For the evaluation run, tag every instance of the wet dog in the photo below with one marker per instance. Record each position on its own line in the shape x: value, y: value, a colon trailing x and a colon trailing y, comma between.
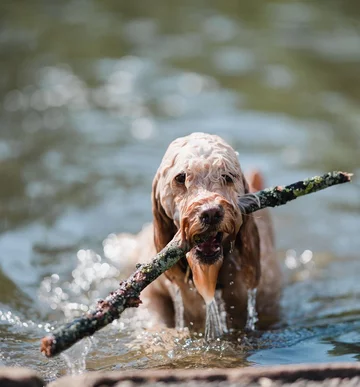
x: 196, y: 189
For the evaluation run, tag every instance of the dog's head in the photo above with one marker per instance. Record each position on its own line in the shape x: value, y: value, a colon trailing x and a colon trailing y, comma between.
x: 196, y: 190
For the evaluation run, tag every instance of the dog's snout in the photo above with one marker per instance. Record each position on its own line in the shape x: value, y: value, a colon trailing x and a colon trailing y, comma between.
x: 212, y: 215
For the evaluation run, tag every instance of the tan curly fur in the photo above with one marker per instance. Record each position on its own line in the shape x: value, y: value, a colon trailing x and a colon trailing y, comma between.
x: 213, y: 177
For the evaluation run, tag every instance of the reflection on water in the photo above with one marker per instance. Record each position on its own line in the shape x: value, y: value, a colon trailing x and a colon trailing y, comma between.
x: 92, y: 93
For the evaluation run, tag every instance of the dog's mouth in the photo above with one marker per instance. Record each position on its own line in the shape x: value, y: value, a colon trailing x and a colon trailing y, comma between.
x: 205, y: 261
x: 211, y: 250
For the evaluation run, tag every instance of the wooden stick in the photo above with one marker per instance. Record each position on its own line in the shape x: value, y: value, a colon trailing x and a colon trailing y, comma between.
x: 279, y: 195
x: 127, y: 295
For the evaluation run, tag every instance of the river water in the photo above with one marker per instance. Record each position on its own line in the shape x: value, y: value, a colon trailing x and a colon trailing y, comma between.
x: 91, y: 94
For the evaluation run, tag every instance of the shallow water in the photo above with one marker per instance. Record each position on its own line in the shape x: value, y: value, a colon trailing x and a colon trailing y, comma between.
x: 91, y: 93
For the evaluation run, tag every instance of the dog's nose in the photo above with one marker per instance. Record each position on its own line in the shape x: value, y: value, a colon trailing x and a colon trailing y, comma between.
x: 212, y: 215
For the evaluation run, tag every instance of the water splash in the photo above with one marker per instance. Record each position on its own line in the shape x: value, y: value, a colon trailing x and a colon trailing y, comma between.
x: 75, y: 357
x: 92, y: 278
x: 215, y: 324
x: 178, y: 306
x: 221, y: 305
x: 252, y: 314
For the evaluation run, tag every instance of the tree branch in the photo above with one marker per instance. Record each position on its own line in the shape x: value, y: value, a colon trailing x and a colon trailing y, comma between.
x: 128, y: 293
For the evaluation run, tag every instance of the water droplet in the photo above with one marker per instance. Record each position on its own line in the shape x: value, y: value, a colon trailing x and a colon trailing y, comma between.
x: 291, y: 261
x: 54, y: 278
x: 231, y: 246
x: 306, y: 257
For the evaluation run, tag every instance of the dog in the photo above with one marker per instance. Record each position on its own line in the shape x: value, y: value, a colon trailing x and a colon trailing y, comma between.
x: 196, y: 188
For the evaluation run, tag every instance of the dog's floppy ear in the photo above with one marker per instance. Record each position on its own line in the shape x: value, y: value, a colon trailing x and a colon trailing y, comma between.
x: 248, y: 243
x: 164, y: 229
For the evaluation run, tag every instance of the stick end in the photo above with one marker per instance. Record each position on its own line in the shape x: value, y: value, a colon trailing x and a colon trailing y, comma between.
x: 347, y: 175
x: 46, y: 346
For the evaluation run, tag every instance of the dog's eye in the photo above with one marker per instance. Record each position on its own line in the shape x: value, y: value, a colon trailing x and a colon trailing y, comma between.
x: 180, y: 178
x: 228, y: 179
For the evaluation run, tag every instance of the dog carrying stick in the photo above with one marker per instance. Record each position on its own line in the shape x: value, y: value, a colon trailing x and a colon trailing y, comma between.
x: 127, y: 295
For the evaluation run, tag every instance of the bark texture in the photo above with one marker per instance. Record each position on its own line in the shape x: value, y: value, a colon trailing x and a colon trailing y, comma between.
x: 128, y: 293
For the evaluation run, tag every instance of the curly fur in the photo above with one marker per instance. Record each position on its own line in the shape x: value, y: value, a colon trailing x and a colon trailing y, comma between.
x: 213, y: 177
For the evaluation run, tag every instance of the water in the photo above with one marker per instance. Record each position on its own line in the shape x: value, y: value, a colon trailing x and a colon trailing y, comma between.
x: 252, y: 317
x: 215, y: 323
x: 75, y: 357
x: 91, y: 95
x: 178, y: 306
